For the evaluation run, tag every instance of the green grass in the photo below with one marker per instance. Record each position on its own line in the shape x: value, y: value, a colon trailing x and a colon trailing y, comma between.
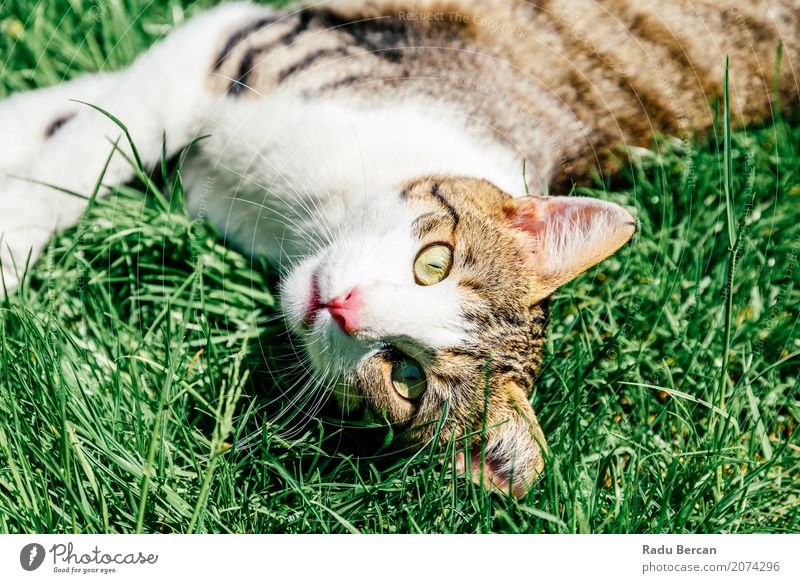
x: 140, y: 348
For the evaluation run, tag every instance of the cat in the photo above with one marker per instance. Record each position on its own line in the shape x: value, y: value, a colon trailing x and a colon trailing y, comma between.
x: 374, y: 149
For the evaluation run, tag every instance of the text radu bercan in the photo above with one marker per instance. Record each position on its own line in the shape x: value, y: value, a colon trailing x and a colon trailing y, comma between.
x: 677, y: 550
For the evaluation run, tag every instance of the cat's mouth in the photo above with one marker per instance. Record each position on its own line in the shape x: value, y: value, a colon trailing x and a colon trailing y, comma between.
x: 314, y: 304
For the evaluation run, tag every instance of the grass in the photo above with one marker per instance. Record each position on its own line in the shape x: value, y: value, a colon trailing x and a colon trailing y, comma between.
x: 146, y: 380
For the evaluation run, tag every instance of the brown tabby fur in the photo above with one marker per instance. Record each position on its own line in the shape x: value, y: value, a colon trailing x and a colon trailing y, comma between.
x: 508, y: 324
x: 568, y: 82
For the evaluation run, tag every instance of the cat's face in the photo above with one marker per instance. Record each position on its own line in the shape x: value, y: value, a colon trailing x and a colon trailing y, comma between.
x: 431, y: 310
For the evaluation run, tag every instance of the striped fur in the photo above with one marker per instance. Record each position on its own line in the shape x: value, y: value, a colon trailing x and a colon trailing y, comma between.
x: 566, y: 82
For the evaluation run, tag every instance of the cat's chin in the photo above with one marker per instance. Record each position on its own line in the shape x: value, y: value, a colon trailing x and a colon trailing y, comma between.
x: 330, y: 348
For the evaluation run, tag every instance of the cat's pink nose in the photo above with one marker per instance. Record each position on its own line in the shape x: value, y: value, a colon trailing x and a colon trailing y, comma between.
x: 344, y: 310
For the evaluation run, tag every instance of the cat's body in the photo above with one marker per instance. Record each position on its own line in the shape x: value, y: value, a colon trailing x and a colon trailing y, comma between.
x: 349, y: 138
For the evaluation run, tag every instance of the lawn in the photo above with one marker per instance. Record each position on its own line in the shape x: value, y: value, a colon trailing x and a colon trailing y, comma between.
x: 147, y: 383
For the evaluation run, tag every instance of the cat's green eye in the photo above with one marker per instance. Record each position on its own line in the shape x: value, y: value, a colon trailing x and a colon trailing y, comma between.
x: 433, y: 264
x: 408, y: 379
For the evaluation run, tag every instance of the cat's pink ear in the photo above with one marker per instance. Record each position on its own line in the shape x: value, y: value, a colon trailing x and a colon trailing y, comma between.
x: 510, y: 455
x: 569, y: 234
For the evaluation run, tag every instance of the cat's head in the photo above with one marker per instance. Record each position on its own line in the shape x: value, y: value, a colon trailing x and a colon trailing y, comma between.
x: 430, y: 310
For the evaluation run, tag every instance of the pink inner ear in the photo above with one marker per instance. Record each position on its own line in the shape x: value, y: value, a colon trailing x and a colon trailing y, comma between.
x: 569, y: 234
x: 491, y: 479
x: 531, y: 217
x: 540, y: 213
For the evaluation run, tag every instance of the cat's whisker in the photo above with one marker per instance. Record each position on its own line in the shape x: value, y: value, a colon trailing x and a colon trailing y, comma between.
x: 308, y: 201
x: 291, y: 408
x: 317, y: 217
x: 317, y: 391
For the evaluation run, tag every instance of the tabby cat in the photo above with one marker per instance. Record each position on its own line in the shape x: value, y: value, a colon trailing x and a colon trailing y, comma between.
x: 374, y: 149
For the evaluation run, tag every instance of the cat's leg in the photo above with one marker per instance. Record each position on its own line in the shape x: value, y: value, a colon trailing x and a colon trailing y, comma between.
x: 49, y: 140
